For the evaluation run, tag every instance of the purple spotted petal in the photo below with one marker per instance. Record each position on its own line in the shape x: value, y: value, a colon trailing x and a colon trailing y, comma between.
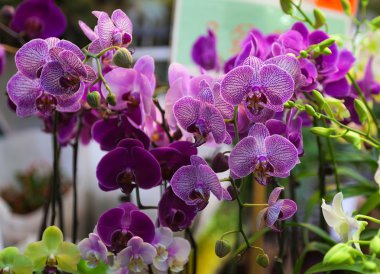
x: 72, y: 64
x: 184, y: 182
x: 196, y: 160
x: 226, y: 109
x: 70, y: 102
x: 290, y: 64
x: 195, y: 84
x: 95, y: 47
x: 186, y: 111
x: 90, y: 34
x: 105, y: 30
x: 24, y: 92
x: 31, y: 57
x: 272, y: 214
x: 275, y: 194
x: 111, y: 165
x: 185, y: 147
x: 259, y: 131
x: 207, y: 175
x: 122, y: 21
x: 91, y: 74
x: 243, y: 157
x: 145, y: 65
x: 67, y: 45
x: 50, y: 78
x: 256, y: 63
x: 215, y: 122
x: 146, y: 168
x: 108, y: 223
x: 205, y: 93
x: 52, y: 41
x: 236, y: 84
x: 277, y: 84
x: 281, y: 153
x: 288, y: 209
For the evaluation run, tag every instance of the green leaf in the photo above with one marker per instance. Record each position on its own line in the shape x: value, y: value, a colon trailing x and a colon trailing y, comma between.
x: 361, y: 110
x: 375, y: 22
x: 371, y: 203
x: 313, y: 246
x: 318, y: 231
x: 320, y: 267
x: 346, y: 7
x: 286, y: 6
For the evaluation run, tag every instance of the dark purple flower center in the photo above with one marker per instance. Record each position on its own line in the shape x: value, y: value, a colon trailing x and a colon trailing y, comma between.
x: 119, y: 240
x: 70, y: 82
x: 33, y: 26
x: 200, y: 195
x: 200, y: 130
x: 175, y: 219
x: 261, y: 170
x: 125, y: 179
x: 46, y: 104
x: 255, y: 100
x: 132, y: 98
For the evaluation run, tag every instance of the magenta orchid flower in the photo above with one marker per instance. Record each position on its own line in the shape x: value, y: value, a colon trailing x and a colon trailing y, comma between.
x: 277, y: 210
x: 263, y: 154
x: 193, y: 183
x: 114, y: 31
x: 172, y: 252
x: 262, y: 86
x: 204, y: 52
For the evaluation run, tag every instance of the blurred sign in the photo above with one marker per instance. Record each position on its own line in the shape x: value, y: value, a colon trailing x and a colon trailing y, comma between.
x: 232, y: 19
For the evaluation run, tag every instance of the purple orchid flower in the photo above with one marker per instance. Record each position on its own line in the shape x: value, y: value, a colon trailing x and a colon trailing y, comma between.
x: 193, y: 183
x: 200, y: 116
x: 128, y: 162
x: 291, y: 129
x: 137, y: 255
x: 277, y: 210
x: 118, y: 225
x: 204, y: 52
x: 110, y: 131
x: 133, y: 88
x: 172, y: 252
x: 114, y: 31
x: 174, y: 156
x: 336, y: 84
x: 263, y: 155
x: 368, y: 84
x: 175, y: 213
x: 263, y: 87
x: 93, y: 250
x: 39, y: 19
x: 26, y: 89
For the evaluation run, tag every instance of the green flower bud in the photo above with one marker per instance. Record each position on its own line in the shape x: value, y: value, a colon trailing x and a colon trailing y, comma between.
x: 304, y: 54
x: 346, y: 7
x: 262, y: 260
x: 375, y: 22
x: 354, y: 139
x: 222, y: 248
x: 319, y: 17
x: 336, y: 108
x: 326, y: 51
x: 326, y: 43
x: 289, y: 104
x: 341, y: 254
x: 123, y: 58
x: 361, y: 110
x: 319, y: 98
x: 374, y: 245
x: 310, y: 110
x: 322, y: 131
x: 93, y: 99
x: 111, y: 99
x: 370, y: 267
x: 286, y: 6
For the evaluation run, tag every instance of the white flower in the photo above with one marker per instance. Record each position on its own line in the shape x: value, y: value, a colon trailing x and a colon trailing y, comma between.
x: 343, y: 224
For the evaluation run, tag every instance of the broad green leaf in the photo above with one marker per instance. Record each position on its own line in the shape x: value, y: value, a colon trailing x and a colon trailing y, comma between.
x: 320, y: 232
x: 371, y: 203
x: 320, y: 267
x: 313, y: 246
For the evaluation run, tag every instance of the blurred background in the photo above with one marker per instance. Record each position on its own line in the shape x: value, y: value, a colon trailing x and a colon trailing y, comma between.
x: 164, y: 29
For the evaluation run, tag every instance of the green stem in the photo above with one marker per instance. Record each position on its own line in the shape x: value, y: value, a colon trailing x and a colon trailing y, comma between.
x: 255, y: 205
x: 240, y: 216
x: 138, y: 200
x: 228, y: 233
x: 100, y: 54
x: 193, y: 244
x: 164, y: 124
x: 53, y: 191
x: 358, y: 242
x: 362, y: 97
x: 307, y: 19
x: 99, y: 66
x: 360, y: 216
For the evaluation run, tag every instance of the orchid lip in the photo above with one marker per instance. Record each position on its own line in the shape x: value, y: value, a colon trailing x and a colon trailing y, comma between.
x: 254, y: 100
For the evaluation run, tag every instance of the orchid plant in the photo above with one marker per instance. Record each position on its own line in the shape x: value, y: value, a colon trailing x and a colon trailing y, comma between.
x: 260, y: 104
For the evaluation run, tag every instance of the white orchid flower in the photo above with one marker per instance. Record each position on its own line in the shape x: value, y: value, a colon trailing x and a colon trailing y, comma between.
x: 343, y: 223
